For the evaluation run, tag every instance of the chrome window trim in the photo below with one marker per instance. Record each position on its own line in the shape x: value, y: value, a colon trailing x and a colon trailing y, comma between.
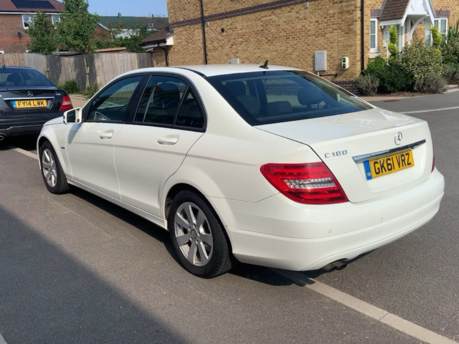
x: 362, y: 158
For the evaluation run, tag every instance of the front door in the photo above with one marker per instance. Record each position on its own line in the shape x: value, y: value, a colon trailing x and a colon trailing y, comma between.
x: 168, y: 121
x: 90, y: 144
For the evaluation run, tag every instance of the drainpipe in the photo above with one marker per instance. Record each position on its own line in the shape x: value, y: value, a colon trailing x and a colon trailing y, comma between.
x: 362, y: 35
x: 204, y: 44
x: 166, y: 54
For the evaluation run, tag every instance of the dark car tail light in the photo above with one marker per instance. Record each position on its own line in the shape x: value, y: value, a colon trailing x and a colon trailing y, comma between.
x: 310, y: 183
x: 66, y: 104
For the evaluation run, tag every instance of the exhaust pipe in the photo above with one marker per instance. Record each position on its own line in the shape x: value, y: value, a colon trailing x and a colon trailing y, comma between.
x: 2, y: 137
x: 338, y: 266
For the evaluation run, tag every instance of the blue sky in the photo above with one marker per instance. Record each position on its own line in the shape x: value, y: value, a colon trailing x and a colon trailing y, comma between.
x: 128, y: 7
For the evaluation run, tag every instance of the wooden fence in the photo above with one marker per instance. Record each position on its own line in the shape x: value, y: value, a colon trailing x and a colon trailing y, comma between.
x: 84, y: 69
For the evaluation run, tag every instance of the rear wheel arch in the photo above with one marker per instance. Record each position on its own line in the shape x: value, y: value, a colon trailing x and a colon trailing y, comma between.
x: 177, y: 188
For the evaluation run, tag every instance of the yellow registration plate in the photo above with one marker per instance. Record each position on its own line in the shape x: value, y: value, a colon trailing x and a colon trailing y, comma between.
x: 20, y: 104
x: 378, y: 167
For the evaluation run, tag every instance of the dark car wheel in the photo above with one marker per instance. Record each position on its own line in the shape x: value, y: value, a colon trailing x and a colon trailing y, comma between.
x: 198, y: 237
x: 53, y: 175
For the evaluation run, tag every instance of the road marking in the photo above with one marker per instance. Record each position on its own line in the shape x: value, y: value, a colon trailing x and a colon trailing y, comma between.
x: 350, y: 301
x: 2, y: 340
x: 434, y: 110
x: 22, y: 151
x: 367, y: 309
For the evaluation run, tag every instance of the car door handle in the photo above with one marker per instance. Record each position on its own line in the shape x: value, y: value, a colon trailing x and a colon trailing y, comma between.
x: 168, y: 140
x: 106, y: 135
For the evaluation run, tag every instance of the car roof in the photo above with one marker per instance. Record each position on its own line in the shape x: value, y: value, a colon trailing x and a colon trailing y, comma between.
x: 224, y: 69
x: 214, y: 69
x: 15, y: 68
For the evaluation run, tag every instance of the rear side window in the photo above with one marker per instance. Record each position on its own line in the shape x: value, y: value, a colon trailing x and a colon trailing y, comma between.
x: 190, y: 115
x: 161, y: 100
x: 282, y: 96
x: 169, y: 101
x: 13, y: 77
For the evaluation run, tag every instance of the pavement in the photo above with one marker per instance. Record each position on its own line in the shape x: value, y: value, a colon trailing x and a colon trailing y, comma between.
x: 77, y: 269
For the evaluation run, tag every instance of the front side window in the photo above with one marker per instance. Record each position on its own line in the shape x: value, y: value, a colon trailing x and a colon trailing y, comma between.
x: 373, y: 35
x: 27, y: 20
x: 282, y: 96
x: 112, y: 104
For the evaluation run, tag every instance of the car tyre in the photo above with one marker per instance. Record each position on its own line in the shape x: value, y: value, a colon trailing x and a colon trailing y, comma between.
x: 197, y: 236
x: 51, y: 170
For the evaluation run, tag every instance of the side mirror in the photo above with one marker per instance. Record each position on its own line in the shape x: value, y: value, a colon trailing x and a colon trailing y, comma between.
x: 73, y: 116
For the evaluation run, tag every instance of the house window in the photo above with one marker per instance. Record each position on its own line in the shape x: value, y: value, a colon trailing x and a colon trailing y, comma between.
x: 373, y: 35
x: 55, y: 18
x: 2, y: 52
x: 442, y: 24
x: 27, y: 19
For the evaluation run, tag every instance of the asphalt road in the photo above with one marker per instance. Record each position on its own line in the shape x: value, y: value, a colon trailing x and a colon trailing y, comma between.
x: 77, y: 269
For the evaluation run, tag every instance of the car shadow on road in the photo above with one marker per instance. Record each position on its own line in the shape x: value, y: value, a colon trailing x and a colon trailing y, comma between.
x: 47, y: 296
x: 252, y: 272
x: 28, y: 143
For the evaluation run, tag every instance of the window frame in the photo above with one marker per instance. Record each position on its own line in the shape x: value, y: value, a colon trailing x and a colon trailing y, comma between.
x: 437, y: 23
x: 31, y: 16
x: 375, y: 49
x: 55, y: 21
x: 190, y: 86
x: 135, y: 98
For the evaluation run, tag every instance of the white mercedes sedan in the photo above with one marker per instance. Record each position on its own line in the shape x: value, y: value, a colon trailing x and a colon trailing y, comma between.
x: 267, y: 165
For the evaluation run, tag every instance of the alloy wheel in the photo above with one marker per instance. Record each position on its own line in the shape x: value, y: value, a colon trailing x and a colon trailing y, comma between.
x: 49, y: 168
x: 193, y: 234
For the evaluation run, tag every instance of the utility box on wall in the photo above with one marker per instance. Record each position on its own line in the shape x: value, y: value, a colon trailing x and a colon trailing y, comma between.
x: 320, y: 61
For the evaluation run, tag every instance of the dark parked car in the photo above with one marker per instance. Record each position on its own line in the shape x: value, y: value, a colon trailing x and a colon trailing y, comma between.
x: 28, y: 99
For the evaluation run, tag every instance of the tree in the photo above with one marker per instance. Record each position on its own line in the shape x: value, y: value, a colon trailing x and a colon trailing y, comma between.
x: 42, y: 35
x: 436, y: 37
x: 77, y: 26
x: 393, y: 41
x: 132, y: 41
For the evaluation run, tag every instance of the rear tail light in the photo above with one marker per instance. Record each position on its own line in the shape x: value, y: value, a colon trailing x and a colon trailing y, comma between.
x: 66, y: 104
x: 310, y: 183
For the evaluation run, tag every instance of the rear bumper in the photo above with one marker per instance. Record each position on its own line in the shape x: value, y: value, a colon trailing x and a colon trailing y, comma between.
x: 282, y: 234
x: 22, y: 126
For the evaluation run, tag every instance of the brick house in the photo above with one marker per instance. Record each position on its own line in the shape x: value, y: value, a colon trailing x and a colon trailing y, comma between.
x: 290, y: 32
x: 15, y: 16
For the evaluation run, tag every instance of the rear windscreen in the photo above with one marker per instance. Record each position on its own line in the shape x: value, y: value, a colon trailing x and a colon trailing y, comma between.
x: 12, y: 77
x: 267, y: 97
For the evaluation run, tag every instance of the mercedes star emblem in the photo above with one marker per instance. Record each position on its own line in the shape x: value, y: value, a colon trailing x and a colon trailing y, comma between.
x: 30, y: 94
x: 398, y: 139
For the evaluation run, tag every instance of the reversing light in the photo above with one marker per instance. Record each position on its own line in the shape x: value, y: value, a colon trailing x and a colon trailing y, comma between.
x: 310, y: 183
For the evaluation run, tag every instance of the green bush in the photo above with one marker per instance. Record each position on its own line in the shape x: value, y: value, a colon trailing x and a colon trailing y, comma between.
x: 451, y: 48
x: 367, y: 84
x: 70, y: 86
x: 451, y: 74
x: 450, y: 60
x: 421, y: 60
x: 394, y: 78
x: 375, y: 66
x: 430, y: 83
x: 91, y: 90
